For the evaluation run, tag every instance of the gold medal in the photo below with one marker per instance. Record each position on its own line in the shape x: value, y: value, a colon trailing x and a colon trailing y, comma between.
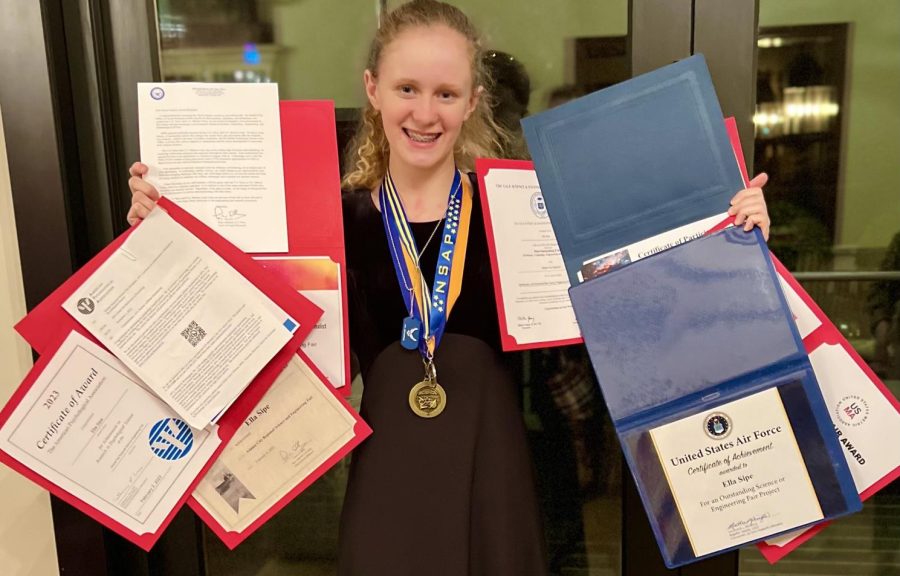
x: 427, y: 399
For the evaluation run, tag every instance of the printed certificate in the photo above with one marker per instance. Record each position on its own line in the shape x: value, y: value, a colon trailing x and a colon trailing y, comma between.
x: 533, y: 286
x: 736, y: 473
x: 180, y: 317
x: 531, y: 281
x: 600, y: 265
x: 298, y: 426
x: 87, y: 426
x: 863, y: 417
x: 215, y: 149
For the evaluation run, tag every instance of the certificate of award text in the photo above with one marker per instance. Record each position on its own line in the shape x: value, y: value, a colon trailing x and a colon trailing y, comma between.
x: 88, y: 426
x: 318, y: 278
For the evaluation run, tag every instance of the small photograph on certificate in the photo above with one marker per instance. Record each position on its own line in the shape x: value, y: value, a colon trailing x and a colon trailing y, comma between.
x: 736, y: 473
x: 228, y: 486
x: 604, y: 264
x: 90, y: 428
x: 318, y: 278
x: 296, y: 428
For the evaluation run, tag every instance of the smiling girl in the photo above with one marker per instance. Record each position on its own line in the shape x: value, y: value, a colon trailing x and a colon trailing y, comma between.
x: 445, y: 484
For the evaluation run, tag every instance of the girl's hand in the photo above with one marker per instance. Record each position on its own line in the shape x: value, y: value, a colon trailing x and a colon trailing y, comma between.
x: 749, y: 206
x: 143, y: 194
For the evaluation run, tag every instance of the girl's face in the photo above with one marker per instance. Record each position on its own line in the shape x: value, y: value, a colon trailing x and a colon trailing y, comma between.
x: 423, y: 89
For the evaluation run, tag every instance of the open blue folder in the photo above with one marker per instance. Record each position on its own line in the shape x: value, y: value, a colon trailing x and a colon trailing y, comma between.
x: 633, y: 160
x: 690, y: 332
x: 686, y: 331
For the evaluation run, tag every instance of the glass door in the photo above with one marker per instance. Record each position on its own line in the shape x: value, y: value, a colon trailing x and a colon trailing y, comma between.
x: 828, y: 134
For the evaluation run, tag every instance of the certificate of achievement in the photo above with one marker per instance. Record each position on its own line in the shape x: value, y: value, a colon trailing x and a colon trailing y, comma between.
x: 215, y: 149
x: 318, y: 278
x: 531, y: 281
x: 736, y: 473
x: 188, y: 324
x: 89, y: 428
x: 298, y: 426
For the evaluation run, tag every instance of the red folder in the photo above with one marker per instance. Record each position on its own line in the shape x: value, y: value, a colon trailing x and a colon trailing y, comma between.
x: 313, y: 193
x: 507, y: 340
x: 825, y: 333
x: 47, y: 324
x: 232, y: 539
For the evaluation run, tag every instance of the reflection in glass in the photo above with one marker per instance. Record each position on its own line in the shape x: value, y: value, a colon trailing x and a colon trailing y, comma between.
x: 798, y: 137
x: 216, y: 41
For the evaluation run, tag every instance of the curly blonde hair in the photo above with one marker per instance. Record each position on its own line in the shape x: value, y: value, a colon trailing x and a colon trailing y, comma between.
x: 480, y: 136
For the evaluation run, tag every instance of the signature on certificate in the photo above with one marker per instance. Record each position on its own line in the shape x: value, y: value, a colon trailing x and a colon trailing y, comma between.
x: 292, y: 452
x: 226, y: 215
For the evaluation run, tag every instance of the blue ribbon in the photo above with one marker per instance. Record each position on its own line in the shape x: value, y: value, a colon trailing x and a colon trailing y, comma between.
x: 431, y: 302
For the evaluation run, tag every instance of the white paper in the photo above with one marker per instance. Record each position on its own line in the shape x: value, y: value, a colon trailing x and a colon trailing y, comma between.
x: 736, y: 473
x: 188, y: 324
x: 613, y: 259
x: 533, y: 276
x: 863, y: 418
x: 325, y: 344
x: 318, y: 278
x: 88, y: 427
x: 295, y: 428
x: 215, y: 149
x: 867, y: 425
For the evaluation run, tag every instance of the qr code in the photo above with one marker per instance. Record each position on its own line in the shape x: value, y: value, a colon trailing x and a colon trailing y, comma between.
x: 193, y: 333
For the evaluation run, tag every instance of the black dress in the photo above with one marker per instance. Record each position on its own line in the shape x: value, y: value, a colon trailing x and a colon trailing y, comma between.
x: 448, y: 496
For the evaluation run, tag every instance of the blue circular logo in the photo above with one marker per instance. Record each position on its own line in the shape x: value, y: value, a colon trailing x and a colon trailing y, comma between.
x: 157, y: 93
x: 717, y: 425
x: 171, y: 439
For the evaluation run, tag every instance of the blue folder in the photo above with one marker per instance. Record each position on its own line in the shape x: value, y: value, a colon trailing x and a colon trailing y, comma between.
x: 632, y: 161
x: 691, y: 328
x: 688, y: 330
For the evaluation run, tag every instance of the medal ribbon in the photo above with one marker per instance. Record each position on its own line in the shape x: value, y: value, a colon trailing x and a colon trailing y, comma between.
x: 433, y: 304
